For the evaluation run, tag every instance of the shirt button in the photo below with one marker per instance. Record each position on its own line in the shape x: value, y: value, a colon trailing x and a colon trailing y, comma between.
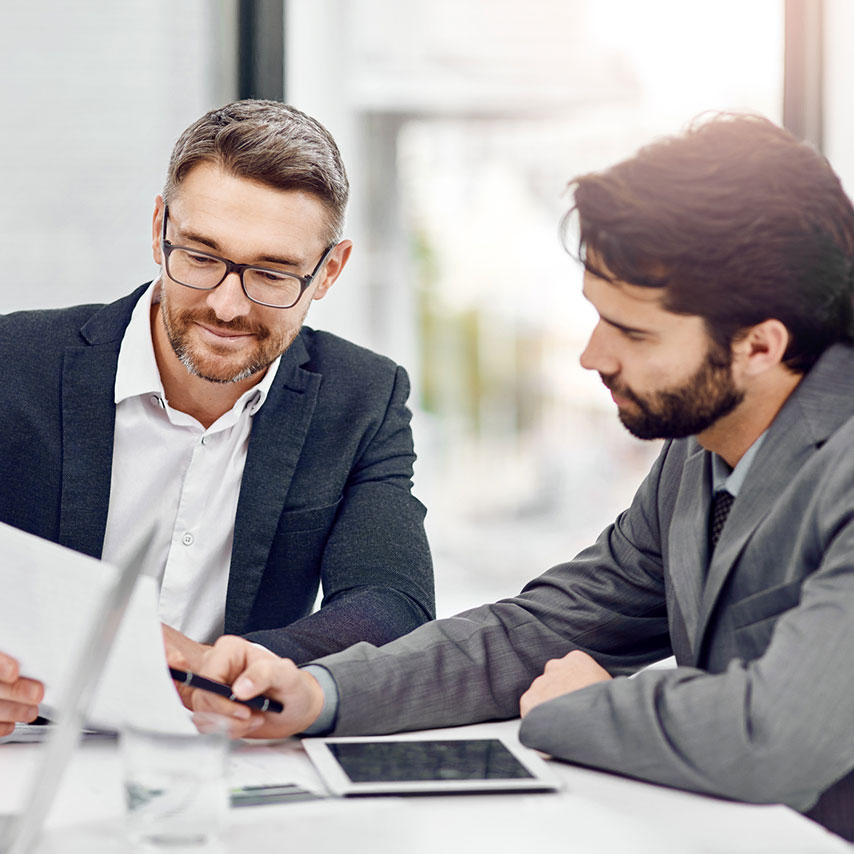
x: 188, y: 539
x: 204, y: 440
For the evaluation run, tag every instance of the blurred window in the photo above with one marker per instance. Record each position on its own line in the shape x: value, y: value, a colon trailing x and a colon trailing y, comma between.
x: 469, y: 118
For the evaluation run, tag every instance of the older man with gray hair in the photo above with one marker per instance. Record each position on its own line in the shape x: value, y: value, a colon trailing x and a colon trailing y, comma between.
x: 263, y: 460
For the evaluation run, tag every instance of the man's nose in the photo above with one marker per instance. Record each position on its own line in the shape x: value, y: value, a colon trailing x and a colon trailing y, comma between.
x: 228, y: 300
x: 598, y: 355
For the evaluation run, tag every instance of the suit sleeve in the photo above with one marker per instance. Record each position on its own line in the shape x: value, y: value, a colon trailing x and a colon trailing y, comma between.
x: 773, y: 729
x: 609, y: 601
x: 376, y: 568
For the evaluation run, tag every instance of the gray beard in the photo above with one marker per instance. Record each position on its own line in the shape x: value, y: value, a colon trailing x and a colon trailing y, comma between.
x: 187, y: 361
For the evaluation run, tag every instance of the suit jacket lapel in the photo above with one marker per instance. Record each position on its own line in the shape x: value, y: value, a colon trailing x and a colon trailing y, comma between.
x: 88, y: 419
x: 818, y: 406
x: 88, y: 423
x: 783, y: 453
x: 687, y: 546
x: 275, y: 444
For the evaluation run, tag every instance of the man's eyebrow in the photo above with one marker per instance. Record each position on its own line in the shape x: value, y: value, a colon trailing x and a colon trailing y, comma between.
x: 193, y: 237
x: 633, y: 330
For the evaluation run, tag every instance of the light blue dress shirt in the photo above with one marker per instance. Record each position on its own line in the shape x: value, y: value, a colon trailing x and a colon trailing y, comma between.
x: 723, y: 477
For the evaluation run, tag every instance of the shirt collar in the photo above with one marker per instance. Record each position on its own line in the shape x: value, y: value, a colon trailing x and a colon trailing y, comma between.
x: 724, y: 477
x: 137, y: 373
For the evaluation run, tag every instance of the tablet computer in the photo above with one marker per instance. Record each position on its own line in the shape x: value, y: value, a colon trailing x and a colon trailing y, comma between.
x: 392, y: 765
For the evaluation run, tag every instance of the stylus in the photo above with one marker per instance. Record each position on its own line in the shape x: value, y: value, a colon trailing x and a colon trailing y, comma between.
x: 193, y: 680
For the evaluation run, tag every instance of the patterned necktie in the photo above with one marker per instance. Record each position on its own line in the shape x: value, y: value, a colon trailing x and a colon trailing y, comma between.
x: 721, y: 504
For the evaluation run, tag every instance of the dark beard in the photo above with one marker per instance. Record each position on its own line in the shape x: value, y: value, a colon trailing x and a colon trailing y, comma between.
x: 686, y: 410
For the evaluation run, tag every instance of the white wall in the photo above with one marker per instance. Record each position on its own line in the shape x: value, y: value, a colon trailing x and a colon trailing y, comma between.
x: 94, y: 93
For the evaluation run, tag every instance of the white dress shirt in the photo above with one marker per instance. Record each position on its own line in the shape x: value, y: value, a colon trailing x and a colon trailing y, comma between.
x: 177, y: 482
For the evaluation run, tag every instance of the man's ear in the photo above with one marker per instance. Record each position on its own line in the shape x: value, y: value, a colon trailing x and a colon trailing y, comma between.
x: 157, y: 230
x: 760, y: 348
x: 335, y: 263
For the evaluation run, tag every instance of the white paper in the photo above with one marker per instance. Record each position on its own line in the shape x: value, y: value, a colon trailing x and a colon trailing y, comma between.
x: 49, y: 596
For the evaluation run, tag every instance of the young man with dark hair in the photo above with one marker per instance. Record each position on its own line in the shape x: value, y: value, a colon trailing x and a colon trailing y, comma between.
x: 720, y: 264
x: 258, y: 459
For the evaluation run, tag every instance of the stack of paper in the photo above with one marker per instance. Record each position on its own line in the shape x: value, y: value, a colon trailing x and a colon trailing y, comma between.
x: 50, y: 597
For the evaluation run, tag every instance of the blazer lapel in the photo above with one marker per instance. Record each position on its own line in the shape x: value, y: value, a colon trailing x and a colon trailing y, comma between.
x: 782, y: 454
x: 817, y: 407
x: 88, y: 424
x: 275, y: 444
x: 88, y: 420
x: 687, y: 545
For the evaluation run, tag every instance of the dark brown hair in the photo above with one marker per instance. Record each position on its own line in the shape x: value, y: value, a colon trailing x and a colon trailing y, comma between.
x: 738, y: 221
x: 268, y: 142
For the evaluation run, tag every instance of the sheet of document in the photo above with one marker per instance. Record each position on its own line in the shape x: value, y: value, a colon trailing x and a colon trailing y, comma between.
x: 50, y: 596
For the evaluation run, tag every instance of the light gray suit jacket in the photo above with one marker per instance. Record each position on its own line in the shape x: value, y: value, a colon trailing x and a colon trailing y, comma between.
x: 761, y: 706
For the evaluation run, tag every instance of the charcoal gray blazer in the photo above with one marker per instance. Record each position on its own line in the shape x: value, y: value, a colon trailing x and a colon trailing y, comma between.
x: 761, y: 705
x: 326, y: 490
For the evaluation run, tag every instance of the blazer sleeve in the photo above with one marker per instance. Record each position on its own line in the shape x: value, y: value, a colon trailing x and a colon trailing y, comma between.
x: 376, y: 569
x: 775, y: 729
x: 609, y: 601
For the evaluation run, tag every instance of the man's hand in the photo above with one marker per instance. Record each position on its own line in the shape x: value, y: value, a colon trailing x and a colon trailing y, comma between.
x: 562, y: 676
x: 182, y: 651
x: 252, y: 670
x: 19, y: 697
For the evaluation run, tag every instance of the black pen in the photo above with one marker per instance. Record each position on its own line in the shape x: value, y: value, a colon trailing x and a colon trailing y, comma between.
x: 193, y: 680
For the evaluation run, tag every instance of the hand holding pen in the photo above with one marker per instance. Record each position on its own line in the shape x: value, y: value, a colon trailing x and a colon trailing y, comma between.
x: 193, y: 680
x: 256, y: 675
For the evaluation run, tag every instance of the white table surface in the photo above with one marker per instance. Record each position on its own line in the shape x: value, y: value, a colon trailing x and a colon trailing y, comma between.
x: 595, y: 813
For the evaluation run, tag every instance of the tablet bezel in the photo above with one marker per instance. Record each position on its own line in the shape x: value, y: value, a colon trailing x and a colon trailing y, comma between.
x: 337, y: 781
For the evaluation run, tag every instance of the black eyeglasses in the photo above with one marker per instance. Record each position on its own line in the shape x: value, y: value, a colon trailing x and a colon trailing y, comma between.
x: 204, y: 272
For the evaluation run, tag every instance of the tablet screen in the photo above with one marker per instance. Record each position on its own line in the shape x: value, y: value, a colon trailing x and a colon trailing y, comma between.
x: 390, y: 765
x: 409, y: 761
